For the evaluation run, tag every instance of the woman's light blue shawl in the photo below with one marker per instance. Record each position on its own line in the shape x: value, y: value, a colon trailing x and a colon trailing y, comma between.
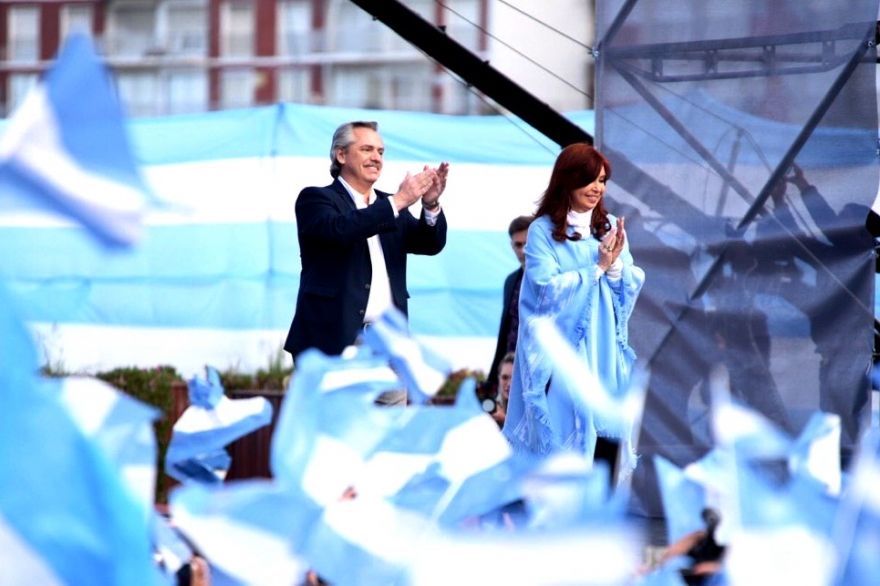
x: 592, y: 314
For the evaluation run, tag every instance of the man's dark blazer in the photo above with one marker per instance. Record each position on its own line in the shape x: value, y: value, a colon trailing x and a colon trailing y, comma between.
x: 336, y: 269
x: 501, y: 346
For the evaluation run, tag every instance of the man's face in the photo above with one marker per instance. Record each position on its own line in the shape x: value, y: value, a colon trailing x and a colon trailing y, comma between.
x: 504, y: 377
x: 362, y: 160
x: 518, y: 243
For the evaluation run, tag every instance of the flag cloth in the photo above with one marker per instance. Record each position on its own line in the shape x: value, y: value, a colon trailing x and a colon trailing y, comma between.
x: 69, y: 154
x: 121, y: 426
x: 423, y: 372
x: 63, y: 504
x: 683, y: 500
x: 547, y: 558
x: 857, y: 526
x: 408, y: 466
x: 250, y: 530
x: 211, y: 422
x: 816, y: 452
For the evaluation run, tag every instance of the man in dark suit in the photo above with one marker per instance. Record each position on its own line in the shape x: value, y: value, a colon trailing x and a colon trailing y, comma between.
x: 507, y: 331
x: 354, y: 241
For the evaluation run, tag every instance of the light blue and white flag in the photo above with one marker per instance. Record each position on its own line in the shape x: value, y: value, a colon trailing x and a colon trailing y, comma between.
x: 683, y: 500
x: 66, y: 149
x: 211, y: 422
x: 449, y: 463
x: 121, y: 426
x: 65, y: 515
x: 816, y: 452
x: 857, y: 526
x: 329, y: 423
x: 740, y: 428
x: 422, y: 370
x: 618, y: 416
x: 565, y: 491
x: 407, y: 465
x: 784, y: 534
x: 524, y: 558
x: 250, y: 530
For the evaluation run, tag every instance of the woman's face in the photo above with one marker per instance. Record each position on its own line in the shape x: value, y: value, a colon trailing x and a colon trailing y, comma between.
x: 586, y: 198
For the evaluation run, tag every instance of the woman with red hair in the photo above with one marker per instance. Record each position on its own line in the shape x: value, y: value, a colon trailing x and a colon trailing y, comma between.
x: 579, y: 275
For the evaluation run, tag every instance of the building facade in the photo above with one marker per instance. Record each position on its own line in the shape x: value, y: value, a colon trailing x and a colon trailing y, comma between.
x: 183, y: 56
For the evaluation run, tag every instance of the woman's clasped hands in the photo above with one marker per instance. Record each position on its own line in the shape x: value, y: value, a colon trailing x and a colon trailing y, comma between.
x: 611, y: 245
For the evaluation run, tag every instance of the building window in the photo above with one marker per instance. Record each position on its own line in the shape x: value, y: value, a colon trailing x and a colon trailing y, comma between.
x: 131, y: 30
x: 24, y: 34
x: 138, y: 92
x: 463, y: 24
x: 353, y: 30
x: 76, y: 18
x: 187, y: 91
x: 18, y: 86
x: 294, y: 86
x: 237, y: 29
x: 237, y: 88
x: 295, y: 28
x: 187, y: 25
x: 391, y: 87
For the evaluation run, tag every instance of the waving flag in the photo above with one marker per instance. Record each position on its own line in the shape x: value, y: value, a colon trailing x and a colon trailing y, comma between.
x: 249, y: 530
x: 422, y: 371
x: 683, y: 500
x: 65, y: 515
x: 816, y: 452
x: 548, y: 558
x: 412, y: 469
x: 328, y: 415
x: 211, y: 422
x: 749, y: 432
x: 857, y: 526
x: 121, y: 426
x: 619, y: 417
x: 66, y: 149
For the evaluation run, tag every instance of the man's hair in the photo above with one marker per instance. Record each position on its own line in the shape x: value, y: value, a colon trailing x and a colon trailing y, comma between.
x: 519, y: 224
x: 344, y: 138
x: 508, y: 358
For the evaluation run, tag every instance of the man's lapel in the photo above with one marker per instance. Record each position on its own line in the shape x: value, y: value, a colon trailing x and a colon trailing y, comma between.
x: 343, y: 194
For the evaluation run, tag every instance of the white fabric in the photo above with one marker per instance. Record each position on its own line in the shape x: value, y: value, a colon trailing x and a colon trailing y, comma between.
x: 380, y: 287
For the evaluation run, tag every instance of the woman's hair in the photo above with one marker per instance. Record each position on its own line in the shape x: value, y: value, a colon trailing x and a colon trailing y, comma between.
x: 577, y: 166
x: 344, y: 138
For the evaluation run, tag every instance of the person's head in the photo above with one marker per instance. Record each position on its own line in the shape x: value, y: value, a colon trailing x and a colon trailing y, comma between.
x: 356, y: 153
x: 518, y: 230
x: 505, y: 376
x: 577, y: 183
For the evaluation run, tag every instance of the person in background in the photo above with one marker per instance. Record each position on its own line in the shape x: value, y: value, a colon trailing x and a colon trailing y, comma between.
x: 505, y: 375
x: 580, y: 275
x: 509, y: 324
x: 354, y: 242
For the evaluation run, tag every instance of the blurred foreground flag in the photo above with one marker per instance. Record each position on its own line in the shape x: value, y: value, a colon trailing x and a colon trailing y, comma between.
x: 248, y: 530
x: 121, y: 427
x: 857, y: 526
x: 422, y: 371
x: 66, y: 516
x: 66, y: 150
x: 595, y: 556
x: 209, y: 424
